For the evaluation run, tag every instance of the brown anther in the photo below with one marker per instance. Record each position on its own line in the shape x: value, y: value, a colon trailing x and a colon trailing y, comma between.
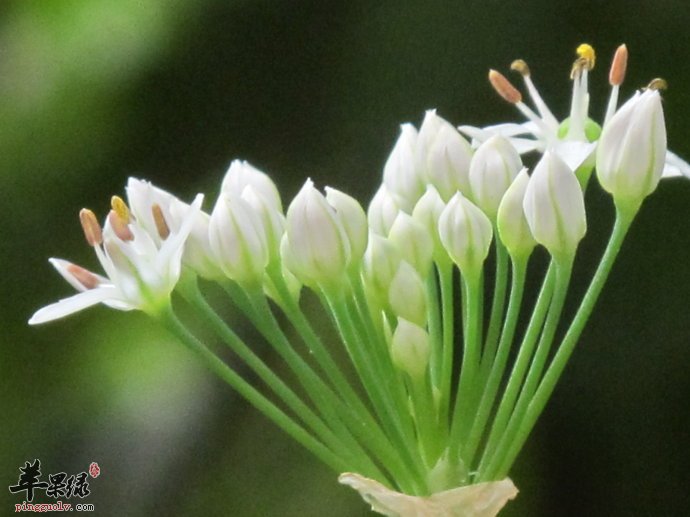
x: 119, y: 226
x: 580, y: 64
x: 657, y: 84
x: 120, y: 207
x: 83, y: 276
x: 618, y: 66
x: 504, y: 88
x: 159, y: 219
x: 92, y: 230
x: 521, y: 67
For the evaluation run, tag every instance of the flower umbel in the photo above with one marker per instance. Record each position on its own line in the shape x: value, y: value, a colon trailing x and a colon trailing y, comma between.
x: 402, y: 286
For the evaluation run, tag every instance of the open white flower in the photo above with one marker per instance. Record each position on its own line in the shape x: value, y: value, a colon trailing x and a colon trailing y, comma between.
x: 142, y: 264
x: 574, y: 139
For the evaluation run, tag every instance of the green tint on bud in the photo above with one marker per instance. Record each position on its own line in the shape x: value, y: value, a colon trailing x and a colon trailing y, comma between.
x: 353, y: 219
x: 400, y: 174
x: 319, y: 247
x: 381, y: 263
x: 492, y: 170
x: 443, y: 156
x: 632, y: 149
x: 382, y: 212
x: 413, y: 241
x: 427, y: 212
x: 410, y: 349
x: 466, y: 234
x: 407, y: 295
x: 238, y: 240
x: 554, y: 207
x: 511, y: 222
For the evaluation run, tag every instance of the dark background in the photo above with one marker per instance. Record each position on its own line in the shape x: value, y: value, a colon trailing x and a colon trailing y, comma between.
x: 172, y: 90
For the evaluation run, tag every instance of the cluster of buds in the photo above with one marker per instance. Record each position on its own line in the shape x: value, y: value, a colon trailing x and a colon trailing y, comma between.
x: 386, y: 277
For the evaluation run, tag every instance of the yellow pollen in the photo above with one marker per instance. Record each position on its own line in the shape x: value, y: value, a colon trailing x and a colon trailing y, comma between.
x: 120, y: 207
x: 657, y: 84
x: 520, y: 67
x: 586, y: 51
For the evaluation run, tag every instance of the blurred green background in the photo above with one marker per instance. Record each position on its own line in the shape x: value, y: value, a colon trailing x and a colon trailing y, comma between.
x: 172, y: 90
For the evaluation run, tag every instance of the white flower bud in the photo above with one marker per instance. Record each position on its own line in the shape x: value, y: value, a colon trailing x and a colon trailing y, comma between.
x: 381, y: 263
x: 319, y: 246
x: 241, y: 174
x: 427, y: 212
x: 511, y: 222
x: 407, y: 295
x: 632, y: 148
x: 273, y: 220
x: 413, y: 241
x: 238, y: 239
x: 400, y: 174
x: 382, y: 211
x: 492, y: 170
x: 443, y: 156
x: 465, y: 233
x: 554, y: 206
x: 353, y: 219
x: 410, y: 349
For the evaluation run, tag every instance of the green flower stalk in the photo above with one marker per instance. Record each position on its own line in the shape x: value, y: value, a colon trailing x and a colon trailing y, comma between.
x: 428, y: 413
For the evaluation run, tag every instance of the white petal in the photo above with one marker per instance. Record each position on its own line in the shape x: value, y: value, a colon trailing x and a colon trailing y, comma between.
x: 76, y: 303
x: 675, y: 166
x: 574, y: 154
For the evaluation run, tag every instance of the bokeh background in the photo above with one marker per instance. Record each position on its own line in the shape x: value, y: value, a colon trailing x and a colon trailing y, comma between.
x: 172, y: 90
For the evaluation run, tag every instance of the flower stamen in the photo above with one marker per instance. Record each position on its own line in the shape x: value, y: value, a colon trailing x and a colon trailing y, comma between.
x: 657, y: 84
x: 120, y: 208
x: 83, y: 276
x: 504, y: 88
x: 92, y: 230
x: 158, y: 218
x: 616, y: 77
x: 119, y: 225
x: 520, y: 66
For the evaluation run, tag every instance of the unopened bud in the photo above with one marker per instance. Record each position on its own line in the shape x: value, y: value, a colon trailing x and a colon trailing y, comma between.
x: 511, y: 222
x: 382, y: 211
x: 427, y: 212
x: 410, y: 349
x: 353, y: 219
x: 466, y: 234
x: 400, y: 174
x: 414, y: 243
x: 504, y: 88
x: 554, y: 207
x: 407, y: 295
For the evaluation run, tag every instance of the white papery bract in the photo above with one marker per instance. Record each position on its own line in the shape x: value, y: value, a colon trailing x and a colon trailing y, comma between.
x: 554, y: 207
x: 466, y: 234
x: 141, y: 269
x: 630, y: 157
x: 401, y: 176
x: 443, y: 156
x: 511, y: 223
x: 319, y: 246
x: 492, y: 170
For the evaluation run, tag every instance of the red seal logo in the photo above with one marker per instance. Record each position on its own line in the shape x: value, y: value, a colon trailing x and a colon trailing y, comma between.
x: 94, y: 470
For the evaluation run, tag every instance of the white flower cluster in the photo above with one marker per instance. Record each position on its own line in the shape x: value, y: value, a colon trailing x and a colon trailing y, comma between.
x: 442, y: 203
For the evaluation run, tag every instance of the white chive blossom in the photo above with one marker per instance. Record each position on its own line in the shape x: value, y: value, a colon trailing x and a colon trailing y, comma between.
x: 401, y: 176
x: 512, y: 225
x: 554, y: 207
